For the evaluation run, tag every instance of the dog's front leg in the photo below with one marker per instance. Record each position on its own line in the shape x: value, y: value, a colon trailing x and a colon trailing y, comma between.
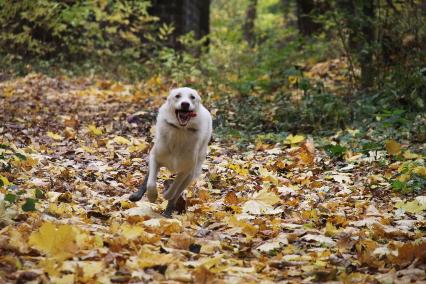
x: 152, y: 179
x: 174, y: 191
x: 136, y: 196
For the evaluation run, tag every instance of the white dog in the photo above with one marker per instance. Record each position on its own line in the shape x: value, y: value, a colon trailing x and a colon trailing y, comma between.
x: 183, y: 131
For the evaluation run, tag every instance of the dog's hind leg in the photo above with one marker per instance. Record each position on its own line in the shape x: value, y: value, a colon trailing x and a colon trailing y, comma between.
x: 136, y: 196
x: 174, y: 191
x: 177, y: 183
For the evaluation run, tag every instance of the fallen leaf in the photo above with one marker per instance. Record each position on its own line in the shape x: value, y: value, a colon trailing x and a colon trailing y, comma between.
x: 121, y: 140
x: 261, y: 203
x: 57, y: 241
x: 202, y: 275
x: 92, y: 129
x: 91, y: 268
x: 147, y: 258
x: 294, y: 139
x: 320, y: 239
x: 414, y: 206
x: 231, y: 198
x: 393, y: 147
x: 273, y: 244
x: 55, y: 136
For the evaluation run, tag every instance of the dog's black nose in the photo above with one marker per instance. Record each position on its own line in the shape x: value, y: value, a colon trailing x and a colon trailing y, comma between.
x: 184, y: 106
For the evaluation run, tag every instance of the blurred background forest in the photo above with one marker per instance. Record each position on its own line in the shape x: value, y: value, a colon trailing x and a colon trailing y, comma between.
x: 266, y: 66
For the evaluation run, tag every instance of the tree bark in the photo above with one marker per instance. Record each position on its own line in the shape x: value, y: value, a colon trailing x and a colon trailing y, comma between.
x: 366, y: 54
x: 360, y: 16
x: 306, y: 24
x: 248, y: 27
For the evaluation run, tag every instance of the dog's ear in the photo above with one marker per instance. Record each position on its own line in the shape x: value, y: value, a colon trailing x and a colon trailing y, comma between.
x: 197, y: 96
x: 171, y: 94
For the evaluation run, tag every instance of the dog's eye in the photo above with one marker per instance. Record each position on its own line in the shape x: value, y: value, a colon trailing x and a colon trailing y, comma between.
x: 192, y: 97
x: 178, y: 96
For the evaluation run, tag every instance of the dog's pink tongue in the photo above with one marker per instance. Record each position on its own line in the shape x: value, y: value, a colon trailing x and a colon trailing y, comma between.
x: 192, y: 114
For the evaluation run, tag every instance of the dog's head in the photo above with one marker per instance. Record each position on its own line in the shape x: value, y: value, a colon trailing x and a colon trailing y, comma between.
x: 185, y: 103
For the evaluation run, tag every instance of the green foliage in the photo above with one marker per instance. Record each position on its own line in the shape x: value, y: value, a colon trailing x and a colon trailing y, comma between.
x: 336, y: 151
x: 261, y: 87
x: 73, y: 30
x: 39, y: 194
x: 411, y: 178
x: 416, y: 184
x: 29, y: 205
x: 10, y: 197
x: 7, y: 155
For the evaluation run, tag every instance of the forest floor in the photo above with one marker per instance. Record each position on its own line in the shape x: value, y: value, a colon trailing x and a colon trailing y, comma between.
x: 72, y: 150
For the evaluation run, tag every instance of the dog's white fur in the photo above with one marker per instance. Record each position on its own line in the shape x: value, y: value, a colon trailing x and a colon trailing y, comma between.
x: 181, y: 149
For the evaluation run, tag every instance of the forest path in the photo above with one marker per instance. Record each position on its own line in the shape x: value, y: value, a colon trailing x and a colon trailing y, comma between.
x: 74, y: 149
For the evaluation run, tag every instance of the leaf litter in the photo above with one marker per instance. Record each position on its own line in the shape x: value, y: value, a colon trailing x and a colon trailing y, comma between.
x: 72, y: 150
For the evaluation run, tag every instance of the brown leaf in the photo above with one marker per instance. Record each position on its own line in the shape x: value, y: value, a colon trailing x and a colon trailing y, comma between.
x: 180, y: 241
x: 231, y: 198
x: 393, y: 147
x: 202, y: 275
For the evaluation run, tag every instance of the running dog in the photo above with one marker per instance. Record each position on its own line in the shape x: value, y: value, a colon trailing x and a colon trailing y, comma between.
x: 183, y: 131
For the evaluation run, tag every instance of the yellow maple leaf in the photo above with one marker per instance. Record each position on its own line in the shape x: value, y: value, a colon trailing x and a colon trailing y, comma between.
x: 65, y: 279
x: 8, y: 91
x: 139, y: 148
x: 266, y: 197
x: 261, y: 203
x: 420, y: 170
x: 163, y: 226
x: 88, y: 149
x: 55, y: 136
x: 50, y: 266
x: 4, y: 180
x: 17, y: 240
x: 246, y: 228
x: 148, y: 258
x: 92, y: 129
x: 293, y: 80
x: 117, y: 87
x: 393, y: 147
x: 410, y: 155
x: 121, y: 140
x: 268, y: 176
x: 131, y: 232
x: 404, y: 177
x: 294, y: 139
x: 91, y: 268
x: 154, y: 81
x: 57, y: 241
x: 330, y: 229
x: 238, y: 169
x: 414, y: 206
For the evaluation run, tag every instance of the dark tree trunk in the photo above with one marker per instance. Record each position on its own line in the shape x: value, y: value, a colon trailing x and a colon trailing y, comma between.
x: 360, y: 16
x: 204, y: 18
x: 366, y: 54
x: 306, y: 24
x: 248, y: 28
x: 185, y: 15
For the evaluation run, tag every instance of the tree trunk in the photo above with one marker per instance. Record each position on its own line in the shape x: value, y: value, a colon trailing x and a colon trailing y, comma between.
x: 366, y: 53
x: 248, y: 27
x: 360, y: 23
x: 305, y: 22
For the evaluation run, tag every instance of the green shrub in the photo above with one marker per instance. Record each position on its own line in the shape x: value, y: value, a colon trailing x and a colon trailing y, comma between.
x: 73, y: 29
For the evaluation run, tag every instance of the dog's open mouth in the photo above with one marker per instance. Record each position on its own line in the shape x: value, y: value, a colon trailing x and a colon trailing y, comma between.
x: 183, y: 116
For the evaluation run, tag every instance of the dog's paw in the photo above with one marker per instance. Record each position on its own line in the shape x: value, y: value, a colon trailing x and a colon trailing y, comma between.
x: 152, y: 195
x: 167, y: 214
x: 135, y: 196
